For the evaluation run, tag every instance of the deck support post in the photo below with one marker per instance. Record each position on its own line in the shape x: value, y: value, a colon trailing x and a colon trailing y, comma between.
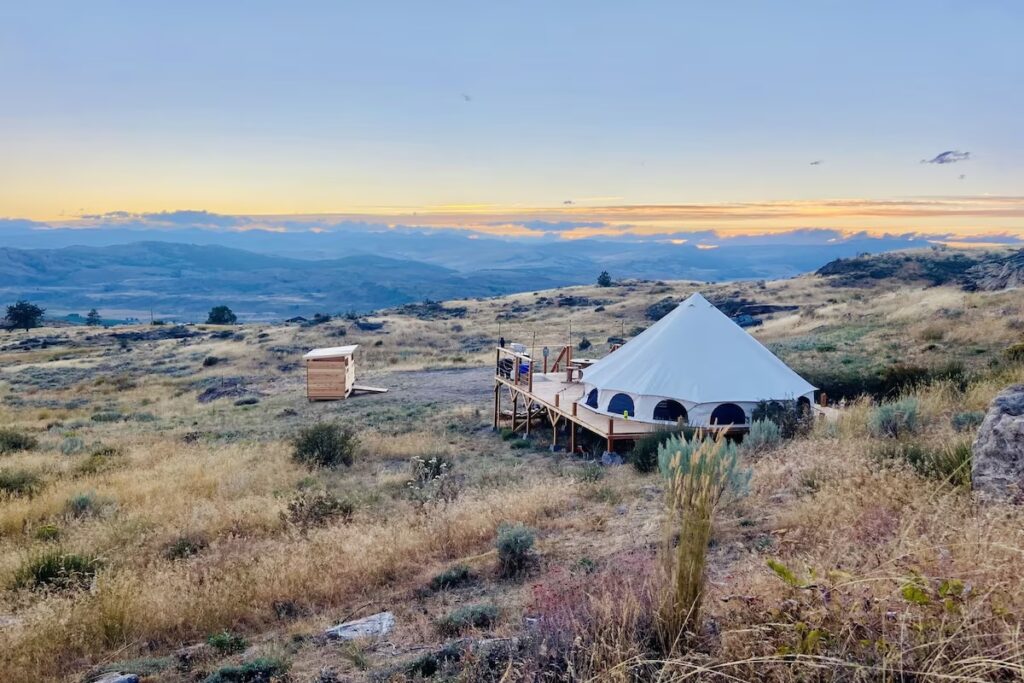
x: 611, y: 431
x: 572, y: 437
x: 529, y: 418
x: 515, y: 409
x: 497, y: 404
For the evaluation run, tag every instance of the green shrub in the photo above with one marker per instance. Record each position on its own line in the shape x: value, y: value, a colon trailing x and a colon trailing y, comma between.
x: 456, y: 575
x: 788, y: 416
x: 464, y: 618
x: 520, y: 444
x: 56, y: 569
x: 262, y: 670
x: 17, y: 483
x: 432, y: 481
x: 970, y: 420
x: 950, y: 463
x: 106, y: 451
x: 227, y: 643
x: 318, y: 508
x: 12, y: 441
x: 584, y: 344
x: 325, y: 445
x: 94, y: 464
x: 590, y: 473
x: 85, y: 505
x: 1015, y: 353
x: 425, y: 470
x: 764, y: 435
x: 47, y: 532
x: 71, y: 445
x: 507, y: 434
x: 430, y: 664
x: 894, y: 419
x: 515, y: 548
x: 108, y: 416
x: 185, y: 546
x: 644, y: 456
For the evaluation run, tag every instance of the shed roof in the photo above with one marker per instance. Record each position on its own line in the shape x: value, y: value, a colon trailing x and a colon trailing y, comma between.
x: 332, y: 352
x: 697, y: 353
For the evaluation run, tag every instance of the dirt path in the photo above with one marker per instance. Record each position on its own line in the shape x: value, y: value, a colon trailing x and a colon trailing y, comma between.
x: 463, y: 386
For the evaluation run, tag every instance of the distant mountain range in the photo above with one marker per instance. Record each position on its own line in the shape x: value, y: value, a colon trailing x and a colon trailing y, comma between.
x: 281, y: 275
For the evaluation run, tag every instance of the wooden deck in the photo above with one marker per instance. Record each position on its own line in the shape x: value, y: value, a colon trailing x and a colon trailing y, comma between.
x: 559, y: 398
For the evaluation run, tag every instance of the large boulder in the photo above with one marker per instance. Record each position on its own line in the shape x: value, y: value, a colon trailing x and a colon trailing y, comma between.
x: 997, y: 467
x: 375, y: 625
x: 117, y: 677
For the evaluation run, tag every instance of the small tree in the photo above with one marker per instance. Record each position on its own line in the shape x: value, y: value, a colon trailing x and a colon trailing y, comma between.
x: 604, y: 279
x: 93, y: 318
x: 221, y: 315
x: 24, y: 315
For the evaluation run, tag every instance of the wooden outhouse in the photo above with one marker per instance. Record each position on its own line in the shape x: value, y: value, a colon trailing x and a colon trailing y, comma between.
x: 330, y: 373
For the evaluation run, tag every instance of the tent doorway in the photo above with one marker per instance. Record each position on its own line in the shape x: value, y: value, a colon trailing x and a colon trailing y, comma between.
x: 621, y: 404
x: 670, y: 411
x: 728, y: 414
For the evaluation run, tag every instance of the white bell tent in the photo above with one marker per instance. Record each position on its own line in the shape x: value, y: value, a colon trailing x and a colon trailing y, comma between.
x: 694, y: 365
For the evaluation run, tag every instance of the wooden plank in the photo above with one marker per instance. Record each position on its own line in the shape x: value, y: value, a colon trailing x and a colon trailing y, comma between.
x: 369, y: 390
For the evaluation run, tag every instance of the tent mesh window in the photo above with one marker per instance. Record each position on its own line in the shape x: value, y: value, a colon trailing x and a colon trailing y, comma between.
x: 804, y: 404
x: 621, y: 403
x: 728, y: 414
x: 670, y: 411
x: 592, y: 398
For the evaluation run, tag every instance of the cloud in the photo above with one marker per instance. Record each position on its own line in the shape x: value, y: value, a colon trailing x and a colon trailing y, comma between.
x: 561, y: 226
x: 948, y: 157
x: 804, y: 221
x: 185, y: 218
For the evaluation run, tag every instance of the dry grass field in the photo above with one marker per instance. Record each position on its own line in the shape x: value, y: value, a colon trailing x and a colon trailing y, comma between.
x: 158, y: 523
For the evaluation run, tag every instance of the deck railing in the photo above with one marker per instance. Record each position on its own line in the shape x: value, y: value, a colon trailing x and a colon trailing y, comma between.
x: 562, y: 360
x: 515, y: 367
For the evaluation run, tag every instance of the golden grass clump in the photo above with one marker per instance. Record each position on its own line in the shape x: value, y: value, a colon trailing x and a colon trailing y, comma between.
x: 698, y: 472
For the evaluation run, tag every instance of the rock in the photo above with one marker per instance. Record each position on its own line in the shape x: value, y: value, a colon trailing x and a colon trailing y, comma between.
x: 247, y: 401
x: 611, y: 459
x: 374, y: 625
x: 190, y: 655
x: 223, y: 387
x: 157, y: 334
x: 996, y: 274
x: 997, y: 465
x: 117, y: 677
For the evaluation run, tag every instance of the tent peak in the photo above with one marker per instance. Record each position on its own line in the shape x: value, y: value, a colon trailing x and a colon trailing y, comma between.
x: 696, y: 298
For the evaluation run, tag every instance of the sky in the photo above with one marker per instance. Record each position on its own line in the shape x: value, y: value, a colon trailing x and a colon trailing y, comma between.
x: 642, y: 116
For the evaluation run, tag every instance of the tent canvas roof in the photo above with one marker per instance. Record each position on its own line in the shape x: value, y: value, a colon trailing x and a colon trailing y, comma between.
x: 696, y: 353
x: 332, y: 352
